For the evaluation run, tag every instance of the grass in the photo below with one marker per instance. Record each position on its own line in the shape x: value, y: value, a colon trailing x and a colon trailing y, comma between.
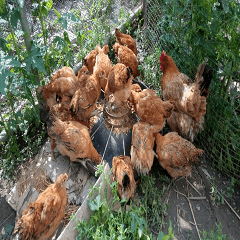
x: 214, y: 234
x: 151, y: 199
x: 106, y: 223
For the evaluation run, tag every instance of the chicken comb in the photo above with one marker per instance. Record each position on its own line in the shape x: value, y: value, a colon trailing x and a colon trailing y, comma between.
x: 161, y: 57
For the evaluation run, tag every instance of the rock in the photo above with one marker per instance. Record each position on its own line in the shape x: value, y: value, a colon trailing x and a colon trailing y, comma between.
x: 184, y: 224
x: 54, y: 168
x: 12, y: 198
x: 86, y: 189
x: 19, y: 204
x: 79, y: 201
x: 69, y: 184
x: 72, y: 198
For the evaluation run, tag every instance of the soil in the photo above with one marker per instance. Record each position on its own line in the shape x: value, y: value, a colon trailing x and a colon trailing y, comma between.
x: 206, y: 211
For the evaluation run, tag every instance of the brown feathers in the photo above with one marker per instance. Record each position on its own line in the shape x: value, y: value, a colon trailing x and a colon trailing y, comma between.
x: 125, y: 40
x: 150, y: 108
x: 123, y: 173
x: 42, y: 217
x: 176, y: 154
x: 127, y: 57
x: 142, y: 154
x: 119, y: 83
x: 189, y: 98
x: 72, y: 139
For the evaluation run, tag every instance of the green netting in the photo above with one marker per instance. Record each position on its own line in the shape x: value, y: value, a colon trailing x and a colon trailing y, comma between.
x: 196, y: 31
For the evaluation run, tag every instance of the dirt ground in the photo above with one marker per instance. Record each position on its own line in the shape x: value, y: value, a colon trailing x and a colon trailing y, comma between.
x: 191, y: 204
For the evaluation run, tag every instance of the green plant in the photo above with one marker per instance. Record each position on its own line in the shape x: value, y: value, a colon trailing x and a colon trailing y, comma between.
x: 214, y: 234
x: 217, y: 197
x: 230, y: 188
x: 106, y: 223
x: 151, y: 200
x: 170, y: 234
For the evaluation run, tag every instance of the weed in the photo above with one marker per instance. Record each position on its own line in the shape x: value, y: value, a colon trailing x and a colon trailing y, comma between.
x: 151, y: 200
x: 169, y: 236
x: 230, y: 188
x: 106, y: 223
x: 217, y: 197
x: 215, y: 234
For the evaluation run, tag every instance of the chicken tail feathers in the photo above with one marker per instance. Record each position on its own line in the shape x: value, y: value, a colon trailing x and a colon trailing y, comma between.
x: 204, y: 77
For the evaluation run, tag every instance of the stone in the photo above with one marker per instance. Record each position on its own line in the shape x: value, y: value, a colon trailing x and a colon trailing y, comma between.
x: 29, y: 195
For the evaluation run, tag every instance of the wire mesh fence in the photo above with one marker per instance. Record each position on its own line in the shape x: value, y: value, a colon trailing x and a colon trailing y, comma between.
x: 196, y: 31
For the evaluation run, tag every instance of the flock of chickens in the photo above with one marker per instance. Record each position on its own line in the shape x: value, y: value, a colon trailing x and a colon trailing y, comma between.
x: 69, y: 101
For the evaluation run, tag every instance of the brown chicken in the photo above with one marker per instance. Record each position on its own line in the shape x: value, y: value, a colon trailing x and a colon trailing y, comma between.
x: 189, y: 98
x: 83, y: 72
x: 125, y: 40
x: 127, y: 57
x: 142, y: 154
x: 61, y: 110
x: 176, y: 154
x: 150, y: 108
x: 123, y: 173
x: 102, y: 66
x: 85, y: 98
x: 119, y: 83
x: 63, y: 84
x: 42, y: 217
x: 72, y: 139
x: 90, y: 59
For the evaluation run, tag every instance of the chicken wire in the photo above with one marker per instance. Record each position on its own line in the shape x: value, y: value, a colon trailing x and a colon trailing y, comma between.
x: 220, y: 137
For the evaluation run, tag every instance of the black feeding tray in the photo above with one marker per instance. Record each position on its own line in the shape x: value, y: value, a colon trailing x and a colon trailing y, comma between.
x: 110, y: 143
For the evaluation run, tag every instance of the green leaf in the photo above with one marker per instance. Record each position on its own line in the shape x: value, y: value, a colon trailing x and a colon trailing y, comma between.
x: 35, y: 59
x: 15, y: 16
x: 66, y: 38
x: 8, y: 229
x: 140, y: 231
x: 95, y: 204
x: 49, y: 4
x: 44, y: 10
x: 2, y: 6
x: 133, y: 225
x: 3, y: 85
x: 3, y: 44
x: 63, y: 20
x: 225, y: 6
x: 57, y: 13
x: 160, y: 236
